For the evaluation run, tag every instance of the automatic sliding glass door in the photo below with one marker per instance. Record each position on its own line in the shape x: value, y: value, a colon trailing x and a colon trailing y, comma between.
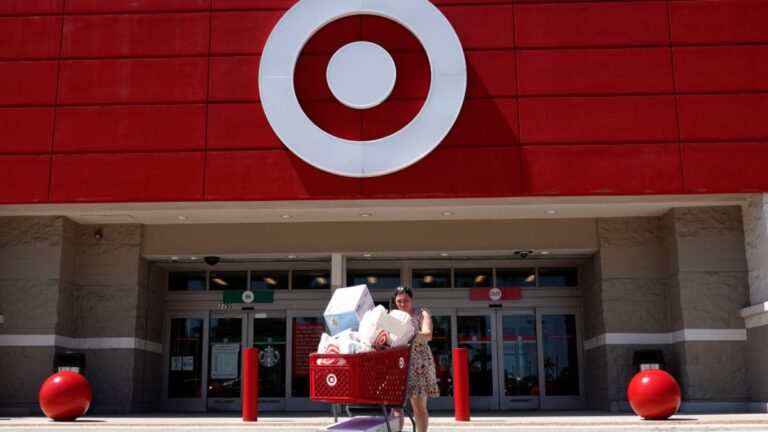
x: 184, y: 359
x: 561, y: 353
x: 225, y: 347
x: 518, y: 361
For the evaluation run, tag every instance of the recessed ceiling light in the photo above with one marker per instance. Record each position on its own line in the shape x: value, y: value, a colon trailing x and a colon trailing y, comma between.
x: 447, y: 213
x: 365, y: 215
x: 545, y: 252
x: 444, y: 254
x: 551, y: 211
x: 291, y: 256
x: 367, y: 255
x: 193, y: 258
x: 182, y: 217
x: 286, y: 216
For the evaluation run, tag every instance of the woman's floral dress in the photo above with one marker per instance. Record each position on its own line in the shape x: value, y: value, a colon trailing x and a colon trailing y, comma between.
x: 421, y: 380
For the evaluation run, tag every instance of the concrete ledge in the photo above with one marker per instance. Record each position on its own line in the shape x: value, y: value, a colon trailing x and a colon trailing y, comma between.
x: 756, y: 315
x: 709, y: 407
x: 684, y: 335
x: 699, y: 407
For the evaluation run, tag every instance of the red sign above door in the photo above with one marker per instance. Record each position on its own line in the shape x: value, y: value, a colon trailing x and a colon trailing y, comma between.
x: 495, y: 294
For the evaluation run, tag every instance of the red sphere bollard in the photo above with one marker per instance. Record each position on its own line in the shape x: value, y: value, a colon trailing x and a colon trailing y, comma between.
x: 65, y: 396
x: 654, y: 394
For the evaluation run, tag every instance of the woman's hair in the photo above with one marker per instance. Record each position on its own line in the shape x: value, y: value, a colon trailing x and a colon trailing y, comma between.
x: 398, y: 291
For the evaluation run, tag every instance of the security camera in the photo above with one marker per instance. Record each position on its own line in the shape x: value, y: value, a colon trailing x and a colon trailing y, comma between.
x: 212, y: 260
x: 523, y: 253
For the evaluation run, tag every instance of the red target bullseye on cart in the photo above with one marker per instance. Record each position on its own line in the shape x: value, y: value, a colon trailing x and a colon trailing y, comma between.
x: 361, y: 75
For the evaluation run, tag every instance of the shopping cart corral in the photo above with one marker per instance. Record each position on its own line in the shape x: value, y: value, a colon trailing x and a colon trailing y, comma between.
x: 376, y: 378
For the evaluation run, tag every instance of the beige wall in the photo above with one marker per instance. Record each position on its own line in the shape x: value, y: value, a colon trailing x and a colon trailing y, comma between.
x: 685, y: 270
x: 57, y: 280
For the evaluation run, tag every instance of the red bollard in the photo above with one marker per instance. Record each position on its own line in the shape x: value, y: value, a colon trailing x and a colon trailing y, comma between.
x: 461, y: 383
x: 251, y: 384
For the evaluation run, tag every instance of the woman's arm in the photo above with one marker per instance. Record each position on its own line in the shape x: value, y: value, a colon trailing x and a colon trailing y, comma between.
x: 426, y: 326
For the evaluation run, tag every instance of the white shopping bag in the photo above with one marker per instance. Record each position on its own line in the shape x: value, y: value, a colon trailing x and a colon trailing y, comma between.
x: 399, y: 327
x: 370, y: 332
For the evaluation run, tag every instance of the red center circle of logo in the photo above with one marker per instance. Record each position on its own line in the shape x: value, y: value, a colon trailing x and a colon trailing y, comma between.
x: 406, y: 100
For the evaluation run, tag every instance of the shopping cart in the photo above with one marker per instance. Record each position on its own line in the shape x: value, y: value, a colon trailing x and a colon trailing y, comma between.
x: 376, y: 378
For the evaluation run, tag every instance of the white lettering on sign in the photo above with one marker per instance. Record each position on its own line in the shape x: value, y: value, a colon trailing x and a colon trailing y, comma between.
x: 373, y: 157
x: 494, y: 294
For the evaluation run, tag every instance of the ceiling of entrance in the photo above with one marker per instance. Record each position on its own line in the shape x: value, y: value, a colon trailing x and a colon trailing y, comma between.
x: 378, y: 210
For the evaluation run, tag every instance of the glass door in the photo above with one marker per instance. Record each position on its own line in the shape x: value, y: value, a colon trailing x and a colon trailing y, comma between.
x: 268, y: 330
x: 184, y: 358
x: 304, y: 332
x: 225, y: 346
x: 560, y: 352
x: 518, y: 361
x: 504, y: 358
x: 443, y: 324
x: 476, y: 331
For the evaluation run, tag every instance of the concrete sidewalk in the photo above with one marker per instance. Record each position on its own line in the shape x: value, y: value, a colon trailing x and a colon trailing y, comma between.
x: 538, y: 420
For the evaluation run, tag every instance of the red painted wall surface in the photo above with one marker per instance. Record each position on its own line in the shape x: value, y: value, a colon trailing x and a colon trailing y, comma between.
x: 157, y: 100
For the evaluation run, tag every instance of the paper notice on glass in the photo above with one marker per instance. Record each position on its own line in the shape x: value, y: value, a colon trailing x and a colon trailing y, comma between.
x: 175, y: 363
x: 224, y: 364
x: 188, y: 363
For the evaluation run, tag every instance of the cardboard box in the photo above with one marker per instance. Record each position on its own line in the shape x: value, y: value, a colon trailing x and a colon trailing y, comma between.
x: 364, y: 424
x: 346, y: 308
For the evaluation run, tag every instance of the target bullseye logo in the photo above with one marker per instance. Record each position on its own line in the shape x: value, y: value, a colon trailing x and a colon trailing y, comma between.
x: 331, y: 380
x: 361, y: 75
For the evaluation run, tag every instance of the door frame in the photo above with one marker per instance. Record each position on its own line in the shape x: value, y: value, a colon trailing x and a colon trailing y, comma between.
x: 561, y: 402
x: 298, y: 403
x: 445, y: 403
x: 230, y: 404
x: 515, y: 402
x: 198, y: 404
x: 271, y: 403
x: 484, y: 402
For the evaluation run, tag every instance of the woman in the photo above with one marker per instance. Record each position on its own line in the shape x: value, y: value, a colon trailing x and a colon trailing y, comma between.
x: 422, y: 382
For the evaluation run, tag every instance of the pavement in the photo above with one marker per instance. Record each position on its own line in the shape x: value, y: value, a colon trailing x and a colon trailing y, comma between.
x: 539, y: 421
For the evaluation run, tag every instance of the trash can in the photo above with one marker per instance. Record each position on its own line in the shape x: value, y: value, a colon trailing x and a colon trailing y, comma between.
x: 648, y: 359
x: 69, y: 361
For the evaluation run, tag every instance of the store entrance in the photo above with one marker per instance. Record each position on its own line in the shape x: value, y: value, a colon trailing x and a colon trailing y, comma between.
x: 228, y: 335
x: 204, y: 359
x: 522, y: 359
x: 518, y: 358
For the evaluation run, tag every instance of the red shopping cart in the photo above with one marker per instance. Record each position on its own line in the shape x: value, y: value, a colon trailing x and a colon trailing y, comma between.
x: 376, y: 378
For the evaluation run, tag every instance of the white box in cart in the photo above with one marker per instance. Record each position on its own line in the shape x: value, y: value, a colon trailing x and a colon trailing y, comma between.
x: 347, y: 307
x: 364, y: 424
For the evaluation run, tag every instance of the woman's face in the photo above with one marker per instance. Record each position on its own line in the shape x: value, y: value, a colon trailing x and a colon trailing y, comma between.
x: 404, y: 302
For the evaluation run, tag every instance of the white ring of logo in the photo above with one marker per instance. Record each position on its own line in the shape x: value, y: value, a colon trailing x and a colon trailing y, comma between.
x: 495, y: 294
x: 248, y: 296
x: 362, y: 158
x: 331, y: 380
